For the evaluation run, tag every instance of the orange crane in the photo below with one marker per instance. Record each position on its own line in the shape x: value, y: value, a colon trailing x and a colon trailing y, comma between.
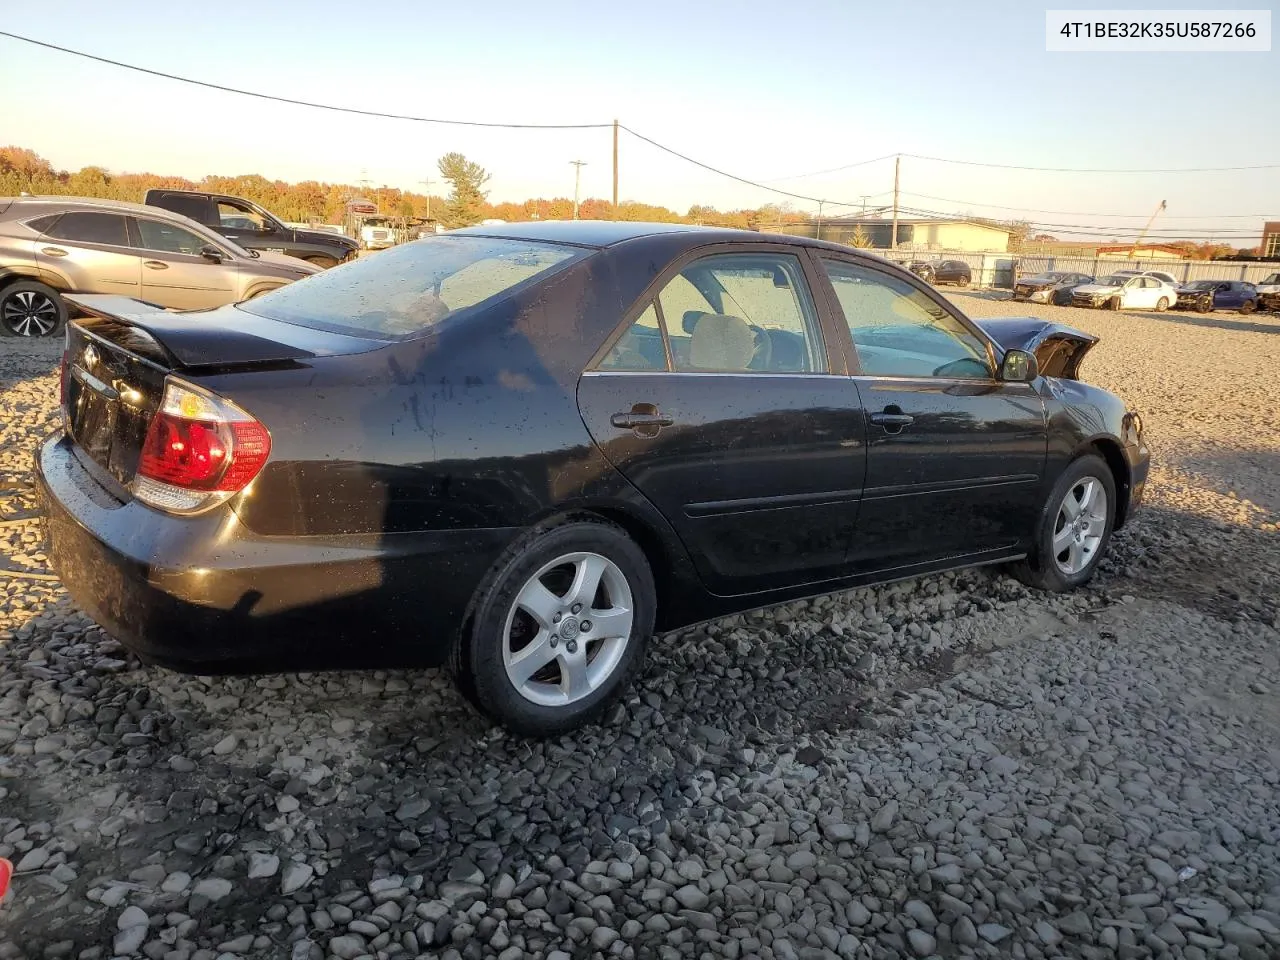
x: 1137, y: 243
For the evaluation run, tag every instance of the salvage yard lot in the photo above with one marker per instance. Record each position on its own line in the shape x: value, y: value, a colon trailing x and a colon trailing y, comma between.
x: 952, y: 766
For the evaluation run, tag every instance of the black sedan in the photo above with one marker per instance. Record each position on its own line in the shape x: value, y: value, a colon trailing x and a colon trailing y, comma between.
x: 943, y: 271
x: 519, y: 450
x: 1054, y: 286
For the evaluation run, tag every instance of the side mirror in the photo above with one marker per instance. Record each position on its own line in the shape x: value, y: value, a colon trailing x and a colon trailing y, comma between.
x: 211, y: 253
x: 1019, y: 366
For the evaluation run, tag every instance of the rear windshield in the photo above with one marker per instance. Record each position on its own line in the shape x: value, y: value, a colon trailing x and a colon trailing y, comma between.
x: 402, y: 291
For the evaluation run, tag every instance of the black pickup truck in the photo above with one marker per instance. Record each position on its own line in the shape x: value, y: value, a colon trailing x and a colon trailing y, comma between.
x: 254, y: 228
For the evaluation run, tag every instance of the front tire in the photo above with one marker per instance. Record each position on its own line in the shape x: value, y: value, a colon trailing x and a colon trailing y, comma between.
x: 559, y: 627
x: 29, y: 308
x: 1074, y: 528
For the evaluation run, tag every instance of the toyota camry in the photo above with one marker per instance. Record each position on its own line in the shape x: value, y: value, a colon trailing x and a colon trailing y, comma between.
x: 519, y: 450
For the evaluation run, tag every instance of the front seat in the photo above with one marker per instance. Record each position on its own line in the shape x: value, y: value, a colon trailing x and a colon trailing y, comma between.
x: 721, y: 342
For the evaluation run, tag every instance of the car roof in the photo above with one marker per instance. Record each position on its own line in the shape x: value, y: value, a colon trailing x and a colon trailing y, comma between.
x: 61, y: 203
x: 607, y: 233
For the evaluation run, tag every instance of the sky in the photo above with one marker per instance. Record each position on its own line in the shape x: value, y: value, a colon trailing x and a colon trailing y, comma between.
x: 769, y: 92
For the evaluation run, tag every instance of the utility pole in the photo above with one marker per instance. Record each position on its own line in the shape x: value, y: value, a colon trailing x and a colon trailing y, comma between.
x: 864, y: 203
x: 427, y: 183
x: 819, y: 235
x: 577, y: 176
x: 893, y: 240
x: 615, y: 168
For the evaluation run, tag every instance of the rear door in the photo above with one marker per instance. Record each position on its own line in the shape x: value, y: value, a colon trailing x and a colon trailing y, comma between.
x: 955, y: 457
x: 721, y: 404
x: 175, y: 274
x: 90, y: 252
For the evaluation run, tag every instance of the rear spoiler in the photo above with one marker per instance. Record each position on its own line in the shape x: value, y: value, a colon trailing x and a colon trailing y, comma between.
x: 194, y: 339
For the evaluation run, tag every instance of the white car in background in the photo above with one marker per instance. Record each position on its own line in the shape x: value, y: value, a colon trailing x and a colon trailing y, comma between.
x: 1269, y: 292
x: 1126, y: 291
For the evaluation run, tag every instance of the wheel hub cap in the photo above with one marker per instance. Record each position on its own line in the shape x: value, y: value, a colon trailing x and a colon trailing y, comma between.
x: 569, y: 628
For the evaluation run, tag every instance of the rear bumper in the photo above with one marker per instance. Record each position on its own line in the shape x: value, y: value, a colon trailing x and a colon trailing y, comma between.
x: 205, y: 595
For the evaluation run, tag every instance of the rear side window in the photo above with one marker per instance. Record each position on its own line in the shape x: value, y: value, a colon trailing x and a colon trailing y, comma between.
x: 84, y: 227
x: 197, y: 208
x: 405, y: 290
x: 42, y: 224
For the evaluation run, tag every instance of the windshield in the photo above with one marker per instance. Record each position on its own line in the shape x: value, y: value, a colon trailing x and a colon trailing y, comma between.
x: 1200, y: 284
x: 404, y: 290
x: 1273, y: 278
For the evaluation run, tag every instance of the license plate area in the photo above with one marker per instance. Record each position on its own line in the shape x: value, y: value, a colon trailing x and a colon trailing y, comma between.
x: 92, y: 408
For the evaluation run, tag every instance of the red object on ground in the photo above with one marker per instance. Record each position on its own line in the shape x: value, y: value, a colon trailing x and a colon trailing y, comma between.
x: 6, y: 871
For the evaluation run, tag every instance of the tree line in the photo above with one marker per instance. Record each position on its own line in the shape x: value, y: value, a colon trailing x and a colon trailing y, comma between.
x: 313, y: 201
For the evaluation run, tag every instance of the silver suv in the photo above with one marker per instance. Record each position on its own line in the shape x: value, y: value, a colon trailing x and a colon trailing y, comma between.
x: 55, y: 245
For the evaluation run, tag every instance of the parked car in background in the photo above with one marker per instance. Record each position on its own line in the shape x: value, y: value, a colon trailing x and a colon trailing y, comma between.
x: 1126, y: 291
x: 50, y: 246
x: 943, y: 271
x: 618, y: 453
x: 1054, y: 286
x: 1205, y: 295
x: 254, y: 228
x: 1269, y: 292
x: 1161, y: 275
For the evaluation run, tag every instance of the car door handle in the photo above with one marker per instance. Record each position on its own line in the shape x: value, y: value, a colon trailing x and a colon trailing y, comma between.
x: 892, y: 420
x: 155, y: 265
x: 629, y: 421
x: 53, y: 251
x: 644, y: 420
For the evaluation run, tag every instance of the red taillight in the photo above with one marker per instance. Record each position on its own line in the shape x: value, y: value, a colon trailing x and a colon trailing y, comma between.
x: 199, y: 450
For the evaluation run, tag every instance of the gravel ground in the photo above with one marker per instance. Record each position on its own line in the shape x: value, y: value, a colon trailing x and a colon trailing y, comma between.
x: 953, y: 766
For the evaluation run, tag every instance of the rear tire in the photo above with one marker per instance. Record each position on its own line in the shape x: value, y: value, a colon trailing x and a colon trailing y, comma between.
x: 1248, y: 307
x: 560, y: 625
x: 1074, y: 528
x: 323, y: 262
x: 1162, y: 305
x: 29, y: 308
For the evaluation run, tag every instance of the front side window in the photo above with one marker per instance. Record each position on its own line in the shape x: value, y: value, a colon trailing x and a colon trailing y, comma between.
x: 237, y: 216
x: 107, y: 229
x: 167, y: 238
x: 406, y: 289
x: 742, y: 312
x: 900, y: 332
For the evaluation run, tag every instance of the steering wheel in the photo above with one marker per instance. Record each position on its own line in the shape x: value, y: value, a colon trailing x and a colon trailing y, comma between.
x: 763, y: 353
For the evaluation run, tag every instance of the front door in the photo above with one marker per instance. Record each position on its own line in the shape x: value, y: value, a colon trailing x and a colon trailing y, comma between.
x: 955, y: 457
x: 175, y: 274
x: 720, y: 404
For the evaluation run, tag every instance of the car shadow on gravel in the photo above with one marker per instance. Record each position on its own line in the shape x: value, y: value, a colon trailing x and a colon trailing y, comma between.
x: 1215, y: 321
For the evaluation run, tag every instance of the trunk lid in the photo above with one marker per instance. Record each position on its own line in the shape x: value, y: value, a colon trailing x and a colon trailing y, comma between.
x: 118, y: 357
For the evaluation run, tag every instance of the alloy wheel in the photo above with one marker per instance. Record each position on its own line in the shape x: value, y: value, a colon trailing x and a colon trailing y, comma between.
x: 28, y: 313
x: 567, y: 630
x: 1080, y: 525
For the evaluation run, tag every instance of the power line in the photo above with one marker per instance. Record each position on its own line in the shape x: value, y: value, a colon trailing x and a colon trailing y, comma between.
x: 302, y: 103
x: 818, y: 173
x: 1078, y: 213
x: 732, y: 176
x: 1008, y: 166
